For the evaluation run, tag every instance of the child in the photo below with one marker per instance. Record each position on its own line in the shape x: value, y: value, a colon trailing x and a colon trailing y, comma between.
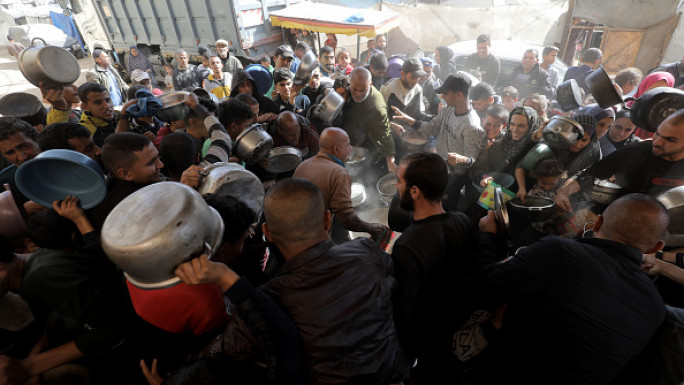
x: 495, y: 121
x: 548, y: 174
x: 168, y: 79
x: 343, y: 67
x: 286, y: 97
x: 509, y: 96
x: 331, y: 40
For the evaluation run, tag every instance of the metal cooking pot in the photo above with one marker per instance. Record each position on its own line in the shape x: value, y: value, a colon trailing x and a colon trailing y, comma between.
x: 25, y: 106
x: 562, y: 132
x: 173, y: 107
x: 604, y: 192
x: 157, y: 228
x: 538, y: 153
x: 673, y: 200
x: 536, y: 209
x: 387, y: 187
x: 253, y: 144
x: 503, y: 223
x: 357, y: 161
x: 568, y: 95
x: 282, y: 159
x: 202, y: 93
x: 232, y: 179
x: 53, y: 66
x: 306, y: 67
x: 329, y: 107
x: 655, y: 105
x: 358, y: 194
x: 602, y: 88
x: 413, y: 141
x: 12, y: 223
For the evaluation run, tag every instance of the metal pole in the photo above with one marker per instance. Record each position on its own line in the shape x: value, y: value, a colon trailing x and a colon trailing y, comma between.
x: 358, y: 44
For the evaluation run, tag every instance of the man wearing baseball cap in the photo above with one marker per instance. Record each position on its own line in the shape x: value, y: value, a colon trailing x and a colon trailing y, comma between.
x: 457, y: 129
x: 404, y: 92
x: 230, y: 62
x: 282, y: 58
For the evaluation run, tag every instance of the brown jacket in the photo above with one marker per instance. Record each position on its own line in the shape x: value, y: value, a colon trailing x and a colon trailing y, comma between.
x: 333, y: 180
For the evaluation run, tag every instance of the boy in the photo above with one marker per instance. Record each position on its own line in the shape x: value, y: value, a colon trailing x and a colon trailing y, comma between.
x: 286, y: 96
x: 509, y: 95
x: 168, y: 79
x: 496, y: 120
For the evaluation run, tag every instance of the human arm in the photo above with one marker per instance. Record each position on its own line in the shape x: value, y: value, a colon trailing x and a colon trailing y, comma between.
x: 520, y: 178
x: 563, y: 195
x: 69, y: 209
x: 666, y: 267
x: 16, y: 372
x: 124, y: 125
x: 219, y: 149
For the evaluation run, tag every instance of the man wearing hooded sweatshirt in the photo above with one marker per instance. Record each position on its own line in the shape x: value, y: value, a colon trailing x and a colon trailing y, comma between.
x: 243, y: 83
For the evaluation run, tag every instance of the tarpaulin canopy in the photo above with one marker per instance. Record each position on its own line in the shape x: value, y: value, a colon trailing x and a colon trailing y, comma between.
x: 326, y: 18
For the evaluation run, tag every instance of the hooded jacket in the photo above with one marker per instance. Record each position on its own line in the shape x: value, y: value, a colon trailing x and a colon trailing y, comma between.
x: 446, y: 67
x: 265, y: 104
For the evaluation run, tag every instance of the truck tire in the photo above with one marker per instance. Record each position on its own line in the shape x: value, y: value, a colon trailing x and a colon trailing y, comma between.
x: 38, y: 42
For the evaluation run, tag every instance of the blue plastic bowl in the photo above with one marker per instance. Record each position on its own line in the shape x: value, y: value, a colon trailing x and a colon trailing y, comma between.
x: 262, y: 76
x: 55, y: 174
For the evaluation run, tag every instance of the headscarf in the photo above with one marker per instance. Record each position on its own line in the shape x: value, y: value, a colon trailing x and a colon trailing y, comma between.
x: 598, y: 112
x: 587, y: 121
x: 139, y: 62
x: 513, y: 148
x: 651, y: 79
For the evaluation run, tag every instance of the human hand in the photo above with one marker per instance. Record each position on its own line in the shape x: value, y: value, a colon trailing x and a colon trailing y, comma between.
x: 129, y: 103
x: 203, y: 271
x: 651, y: 265
x: 522, y: 193
x: 391, y: 166
x: 13, y: 371
x: 267, y: 117
x: 54, y: 96
x: 151, y: 374
x: 191, y: 100
x: 454, y: 158
x: 563, y: 203
x: 274, y: 93
x: 192, y: 176
x: 71, y: 94
x: 402, y: 117
x: 376, y: 230
x: 485, y: 181
x: 397, y: 128
x: 69, y: 208
x: 488, y: 223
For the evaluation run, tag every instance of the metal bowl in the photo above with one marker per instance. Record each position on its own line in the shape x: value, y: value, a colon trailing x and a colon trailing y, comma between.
x: 306, y: 67
x: 562, y: 132
x: 173, y: 107
x: 387, y: 187
x: 536, y: 209
x: 282, y: 159
x: 329, y: 107
x: 232, y: 179
x: 148, y: 246
x: 538, y: 153
x: 358, y: 194
x: 55, y: 67
x: 413, y: 141
x: 253, y: 144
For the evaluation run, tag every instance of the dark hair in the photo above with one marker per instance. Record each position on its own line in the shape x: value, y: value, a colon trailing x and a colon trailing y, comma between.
x: 118, y: 150
x: 534, y: 51
x: 86, y: 88
x: 547, y: 168
x: 10, y: 126
x: 548, y: 49
x: 591, y: 55
x: 509, y: 91
x: 530, y: 114
x: 177, y: 151
x: 281, y: 74
x: 484, y: 38
x: 247, y: 99
x: 326, y: 49
x: 481, y: 90
x: 624, y: 113
x: 342, y: 81
x: 236, y: 215
x: 130, y: 94
x: 233, y: 111
x: 498, y: 111
x: 629, y: 75
x: 57, y: 135
x: 50, y: 230
x: 97, y: 52
x: 427, y: 171
x: 294, y: 209
x: 302, y: 45
x: 6, y: 252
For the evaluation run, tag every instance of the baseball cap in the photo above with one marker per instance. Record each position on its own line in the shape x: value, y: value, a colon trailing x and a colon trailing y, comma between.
x: 427, y: 61
x: 414, y: 66
x: 139, y: 75
x: 456, y: 82
x: 284, y: 51
x: 379, y: 61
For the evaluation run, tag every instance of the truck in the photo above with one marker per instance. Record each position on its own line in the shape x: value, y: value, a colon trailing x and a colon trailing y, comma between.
x: 161, y: 27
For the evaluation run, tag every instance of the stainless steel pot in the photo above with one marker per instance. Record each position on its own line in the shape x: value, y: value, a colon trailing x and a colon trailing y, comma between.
x: 232, y: 179
x: 562, y: 132
x: 413, y: 141
x: 253, y: 144
x: 387, y: 187
x: 538, y: 153
x: 358, y: 194
x: 53, y: 66
x: 173, y: 107
x: 656, y: 105
x: 603, y: 89
x: 604, y: 192
x: 536, y: 209
x: 282, y: 159
x: 673, y: 200
x: 306, y: 66
x: 329, y: 107
x: 24, y: 106
x: 157, y: 228
x: 568, y: 95
x: 357, y: 161
x: 201, y: 92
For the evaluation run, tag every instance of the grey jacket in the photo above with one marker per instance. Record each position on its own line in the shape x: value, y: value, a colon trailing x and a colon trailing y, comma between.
x: 99, y: 76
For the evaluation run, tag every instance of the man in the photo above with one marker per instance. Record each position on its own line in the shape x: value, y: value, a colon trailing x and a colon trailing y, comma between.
x: 327, y: 59
x: 300, y: 50
x: 282, y: 59
x: 591, y: 60
x: 243, y: 83
x: 326, y: 170
x: 14, y: 48
x: 366, y: 120
x: 316, y: 86
x: 378, y: 69
x: 286, y: 96
x: 290, y: 129
x: 404, y: 92
x: 549, y: 54
x: 579, y: 310
x: 649, y: 167
x: 105, y: 75
x: 98, y: 110
x: 230, y: 62
x: 431, y: 256
x: 186, y: 74
x: 482, y: 96
x: 529, y: 78
x: 628, y: 79
x: 337, y: 295
x: 483, y: 61
x: 381, y: 43
x: 235, y: 116
x: 18, y: 140
x: 457, y: 130
x: 69, y: 136
x: 364, y: 58
x: 218, y: 82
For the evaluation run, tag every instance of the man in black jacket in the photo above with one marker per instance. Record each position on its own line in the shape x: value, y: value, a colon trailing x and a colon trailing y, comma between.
x: 529, y: 78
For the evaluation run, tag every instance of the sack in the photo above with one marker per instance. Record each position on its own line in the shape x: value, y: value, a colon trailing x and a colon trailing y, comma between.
x: 470, y: 339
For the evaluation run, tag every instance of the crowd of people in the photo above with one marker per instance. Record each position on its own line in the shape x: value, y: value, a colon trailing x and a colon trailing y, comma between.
x: 284, y: 298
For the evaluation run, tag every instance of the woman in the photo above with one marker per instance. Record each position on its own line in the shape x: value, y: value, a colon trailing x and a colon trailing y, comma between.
x: 137, y: 61
x: 656, y: 79
x: 443, y: 55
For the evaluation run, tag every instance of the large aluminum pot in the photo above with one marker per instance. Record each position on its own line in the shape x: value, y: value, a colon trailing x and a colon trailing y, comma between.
x: 306, y: 67
x: 536, y: 209
x: 157, y: 228
x: 232, y: 179
x: 25, y: 106
x: 253, y: 144
x: 568, y: 95
x: 604, y: 192
x: 562, y: 132
x: 413, y: 141
x: 387, y: 187
x: 673, y: 200
x: 53, y: 66
x: 603, y: 89
x: 281, y: 159
x: 173, y: 107
x: 357, y: 161
x: 656, y: 105
x: 329, y: 107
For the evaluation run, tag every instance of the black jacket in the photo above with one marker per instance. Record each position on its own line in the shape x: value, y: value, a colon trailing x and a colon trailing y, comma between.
x: 535, y: 81
x: 265, y: 104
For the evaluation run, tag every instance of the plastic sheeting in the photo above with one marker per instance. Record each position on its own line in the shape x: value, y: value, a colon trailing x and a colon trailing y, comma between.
x: 66, y: 24
x: 638, y: 14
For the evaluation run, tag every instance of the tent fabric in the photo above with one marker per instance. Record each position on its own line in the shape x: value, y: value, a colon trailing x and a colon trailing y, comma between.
x: 638, y: 14
x: 328, y: 18
x: 66, y: 24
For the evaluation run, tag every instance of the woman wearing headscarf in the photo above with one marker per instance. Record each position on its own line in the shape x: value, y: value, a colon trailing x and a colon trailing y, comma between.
x: 653, y: 80
x: 138, y: 61
x: 605, y: 117
x: 443, y: 55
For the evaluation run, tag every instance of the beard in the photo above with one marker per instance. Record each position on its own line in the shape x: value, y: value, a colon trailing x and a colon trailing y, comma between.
x: 405, y: 201
x: 364, y: 97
